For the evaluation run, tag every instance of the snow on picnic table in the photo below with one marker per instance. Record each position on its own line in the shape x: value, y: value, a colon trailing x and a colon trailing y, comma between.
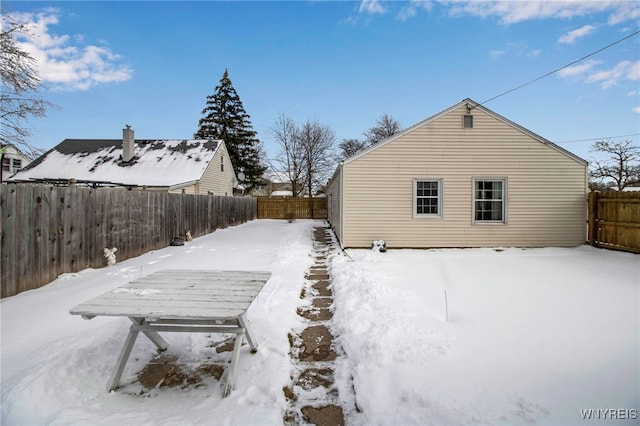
x: 534, y: 336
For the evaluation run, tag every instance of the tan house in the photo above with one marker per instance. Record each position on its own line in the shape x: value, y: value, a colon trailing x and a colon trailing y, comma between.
x: 465, y: 177
x: 174, y: 165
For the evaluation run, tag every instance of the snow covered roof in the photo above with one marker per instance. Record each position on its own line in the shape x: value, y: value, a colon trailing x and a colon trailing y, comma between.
x: 156, y: 163
x: 275, y: 176
x: 283, y: 193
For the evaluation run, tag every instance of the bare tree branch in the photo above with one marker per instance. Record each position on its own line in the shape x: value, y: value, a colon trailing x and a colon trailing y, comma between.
x: 622, y: 166
x: 290, y: 159
x: 385, y: 127
x: 20, y: 82
x: 317, y: 142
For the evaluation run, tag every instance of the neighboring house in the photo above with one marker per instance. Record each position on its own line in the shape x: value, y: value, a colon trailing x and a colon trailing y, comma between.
x: 12, y: 161
x: 189, y: 166
x: 465, y: 177
x: 277, y: 184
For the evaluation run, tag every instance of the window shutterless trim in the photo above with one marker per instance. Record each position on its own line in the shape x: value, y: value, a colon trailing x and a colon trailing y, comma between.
x: 439, y: 189
x: 504, y: 200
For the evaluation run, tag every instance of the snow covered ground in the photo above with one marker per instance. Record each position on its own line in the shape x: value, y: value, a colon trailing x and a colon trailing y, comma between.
x: 533, y: 336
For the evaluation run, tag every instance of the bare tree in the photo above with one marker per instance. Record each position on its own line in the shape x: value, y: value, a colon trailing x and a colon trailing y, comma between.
x: 622, y: 165
x: 20, y: 82
x: 349, y: 147
x: 385, y: 127
x: 317, y: 143
x: 290, y: 159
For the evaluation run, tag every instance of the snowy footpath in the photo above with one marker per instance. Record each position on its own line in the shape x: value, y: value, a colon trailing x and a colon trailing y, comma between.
x: 527, y: 336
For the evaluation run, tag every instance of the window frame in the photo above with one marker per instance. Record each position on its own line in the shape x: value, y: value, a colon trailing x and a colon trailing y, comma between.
x: 16, y: 164
x: 504, y: 200
x: 440, y: 189
x: 467, y: 119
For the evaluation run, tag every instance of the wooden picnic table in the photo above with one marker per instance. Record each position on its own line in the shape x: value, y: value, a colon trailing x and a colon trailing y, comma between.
x: 187, y: 301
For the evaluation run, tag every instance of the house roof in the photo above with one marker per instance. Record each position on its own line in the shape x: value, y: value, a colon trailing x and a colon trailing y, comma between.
x: 473, y: 105
x: 274, y: 176
x: 156, y: 163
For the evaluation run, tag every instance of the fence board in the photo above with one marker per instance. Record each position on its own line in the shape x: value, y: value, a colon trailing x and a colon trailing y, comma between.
x: 46, y: 231
x: 292, y: 208
x: 614, y: 220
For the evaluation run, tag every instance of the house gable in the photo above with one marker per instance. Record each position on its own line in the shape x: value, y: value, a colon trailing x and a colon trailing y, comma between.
x: 543, y: 186
x: 466, y: 107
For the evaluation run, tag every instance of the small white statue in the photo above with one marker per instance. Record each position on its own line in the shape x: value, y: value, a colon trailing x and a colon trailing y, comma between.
x: 188, y: 236
x: 379, y: 245
x: 110, y: 254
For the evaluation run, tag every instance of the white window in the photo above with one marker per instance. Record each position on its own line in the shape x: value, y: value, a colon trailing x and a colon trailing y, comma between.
x: 489, y: 200
x: 427, y: 198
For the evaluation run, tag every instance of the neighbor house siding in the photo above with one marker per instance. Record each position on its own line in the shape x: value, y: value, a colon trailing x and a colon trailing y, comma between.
x: 220, y: 182
x: 213, y: 179
x: 546, y: 188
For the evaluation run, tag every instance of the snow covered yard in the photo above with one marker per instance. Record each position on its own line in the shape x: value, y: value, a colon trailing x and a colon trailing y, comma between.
x: 55, y: 366
x: 533, y: 336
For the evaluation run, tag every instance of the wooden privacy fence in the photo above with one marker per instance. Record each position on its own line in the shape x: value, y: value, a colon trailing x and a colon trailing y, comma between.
x: 614, y: 220
x: 292, y: 208
x: 47, y: 231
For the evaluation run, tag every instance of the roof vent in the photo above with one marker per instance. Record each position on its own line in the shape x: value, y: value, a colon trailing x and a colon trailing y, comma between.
x: 127, y: 143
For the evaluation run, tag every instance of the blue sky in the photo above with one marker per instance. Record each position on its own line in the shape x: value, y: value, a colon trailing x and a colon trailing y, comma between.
x: 151, y: 64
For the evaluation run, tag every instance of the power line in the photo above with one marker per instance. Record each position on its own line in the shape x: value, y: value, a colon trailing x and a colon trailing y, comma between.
x: 561, y: 68
x: 599, y: 139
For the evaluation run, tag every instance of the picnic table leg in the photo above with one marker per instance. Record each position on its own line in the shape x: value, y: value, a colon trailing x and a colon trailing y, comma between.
x: 160, y: 343
x: 230, y: 382
x: 252, y: 344
x: 114, y: 381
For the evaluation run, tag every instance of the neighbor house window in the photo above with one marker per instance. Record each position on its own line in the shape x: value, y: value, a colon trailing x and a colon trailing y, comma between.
x: 427, y: 197
x: 222, y: 163
x: 489, y: 200
x: 467, y: 121
x: 6, y: 164
x: 17, y: 164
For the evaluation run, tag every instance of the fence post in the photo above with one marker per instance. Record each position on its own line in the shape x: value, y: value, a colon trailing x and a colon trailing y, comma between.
x: 593, y: 216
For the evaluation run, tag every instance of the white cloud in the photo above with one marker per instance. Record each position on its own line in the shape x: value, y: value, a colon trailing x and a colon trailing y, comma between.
x: 371, y: 7
x: 626, y: 11
x: 625, y: 70
x: 512, y: 12
x: 515, y: 48
x: 579, y: 69
x: 534, y: 53
x: 572, y: 36
x: 412, y: 9
x: 637, y: 109
x: 63, y: 64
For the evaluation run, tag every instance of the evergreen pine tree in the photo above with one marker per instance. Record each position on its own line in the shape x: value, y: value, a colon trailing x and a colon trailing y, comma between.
x: 224, y: 118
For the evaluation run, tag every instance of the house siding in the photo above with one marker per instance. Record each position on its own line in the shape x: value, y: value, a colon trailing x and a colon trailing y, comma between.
x: 334, y: 202
x: 214, y: 180
x: 546, y: 188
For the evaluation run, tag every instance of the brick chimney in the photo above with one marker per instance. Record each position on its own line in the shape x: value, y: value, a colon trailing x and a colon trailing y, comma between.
x: 127, y: 143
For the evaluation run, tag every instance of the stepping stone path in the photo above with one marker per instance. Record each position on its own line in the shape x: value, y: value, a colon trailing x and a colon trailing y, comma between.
x: 312, y: 396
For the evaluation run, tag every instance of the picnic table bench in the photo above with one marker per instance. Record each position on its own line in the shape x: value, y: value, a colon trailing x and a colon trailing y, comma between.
x: 187, y: 301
